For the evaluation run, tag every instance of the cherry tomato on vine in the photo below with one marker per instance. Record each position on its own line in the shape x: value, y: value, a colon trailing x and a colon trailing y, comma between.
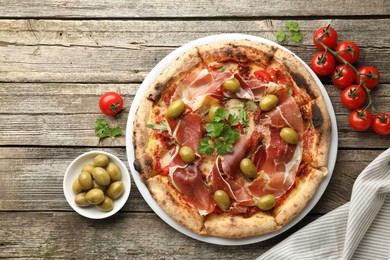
x: 327, y: 36
x: 262, y: 75
x: 111, y: 103
x: 323, y: 63
x: 369, y: 75
x: 353, y: 97
x: 348, y: 50
x: 381, y: 124
x: 343, y: 76
x: 360, y: 120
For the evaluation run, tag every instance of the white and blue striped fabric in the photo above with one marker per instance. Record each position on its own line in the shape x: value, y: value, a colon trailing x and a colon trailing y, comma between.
x: 359, y: 229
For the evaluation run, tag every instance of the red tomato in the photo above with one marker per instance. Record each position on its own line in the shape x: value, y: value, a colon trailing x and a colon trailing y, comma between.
x: 349, y: 51
x: 111, y: 103
x: 323, y: 64
x: 262, y: 75
x: 343, y: 76
x: 353, y: 97
x: 327, y: 36
x: 369, y: 75
x: 381, y: 124
x: 360, y: 120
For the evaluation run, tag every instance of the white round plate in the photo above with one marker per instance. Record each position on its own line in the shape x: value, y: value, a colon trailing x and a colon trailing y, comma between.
x: 160, y: 67
x: 74, y: 170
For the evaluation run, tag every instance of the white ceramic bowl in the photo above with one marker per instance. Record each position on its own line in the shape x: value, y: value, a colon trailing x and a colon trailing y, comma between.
x: 74, y: 170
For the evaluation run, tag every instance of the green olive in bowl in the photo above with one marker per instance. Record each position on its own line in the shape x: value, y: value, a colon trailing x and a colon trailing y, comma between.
x: 114, y: 172
x: 106, y: 205
x: 115, y: 190
x: 100, y: 160
x: 101, y: 176
x: 85, y: 180
x: 81, y: 200
x: 95, y: 196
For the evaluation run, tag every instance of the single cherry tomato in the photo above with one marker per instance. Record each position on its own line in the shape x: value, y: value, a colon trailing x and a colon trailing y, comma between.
x: 262, y: 75
x: 327, y: 35
x: 369, y: 75
x: 111, y: 103
x: 381, y: 124
x: 360, y: 120
x: 343, y: 76
x: 349, y: 51
x: 323, y: 63
x: 353, y: 97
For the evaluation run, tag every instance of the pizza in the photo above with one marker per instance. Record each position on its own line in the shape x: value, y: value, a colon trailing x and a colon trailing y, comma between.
x: 232, y: 139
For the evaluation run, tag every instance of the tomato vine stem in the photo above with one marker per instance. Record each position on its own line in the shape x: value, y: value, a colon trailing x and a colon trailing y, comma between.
x: 370, y: 104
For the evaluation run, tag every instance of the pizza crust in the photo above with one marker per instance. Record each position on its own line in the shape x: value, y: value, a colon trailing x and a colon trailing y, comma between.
x: 171, y: 202
x: 229, y: 226
x: 300, y: 195
x: 298, y: 72
x: 237, y: 51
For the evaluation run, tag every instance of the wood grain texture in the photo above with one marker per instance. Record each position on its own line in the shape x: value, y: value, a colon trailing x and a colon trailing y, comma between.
x: 125, y: 51
x: 31, y: 178
x: 182, y: 9
x: 55, y: 114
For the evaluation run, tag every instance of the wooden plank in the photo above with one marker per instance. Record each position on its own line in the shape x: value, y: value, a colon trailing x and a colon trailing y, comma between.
x: 31, y: 178
x: 58, y: 235
x: 54, y: 114
x: 125, y: 51
x: 181, y: 9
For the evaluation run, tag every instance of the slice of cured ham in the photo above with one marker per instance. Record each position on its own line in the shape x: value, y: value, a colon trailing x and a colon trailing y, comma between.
x: 189, y: 182
x: 187, y: 130
x: 278, y: 161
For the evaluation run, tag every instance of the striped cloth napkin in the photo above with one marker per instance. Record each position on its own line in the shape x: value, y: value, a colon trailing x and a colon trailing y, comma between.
x: 359, y: 229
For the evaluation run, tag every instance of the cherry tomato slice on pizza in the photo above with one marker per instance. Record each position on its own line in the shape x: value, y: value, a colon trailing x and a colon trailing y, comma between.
x: 353, y: 96
x: 369, y: 75
x: 348, y: 50
x: 381, y: 124
x: 360, y: 120
x: 263, y: 76
x: 323, y: 63
x: 111, y: 103
x: 327, y: 35
x: 343, y: 76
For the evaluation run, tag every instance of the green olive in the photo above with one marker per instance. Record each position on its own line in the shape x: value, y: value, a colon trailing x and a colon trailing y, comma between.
x: 266, y: 202
x: 114, y: 172
x: 213, y: 108
x: 115, y: 190
x: 106, y: 205
x: 269, y: 102
x: 222, y: 199
x: 248, y: 169
x: 231, y: 85
x: 289, y: 135
x: 76, y: 187
x: 81, y: 200
x: 95, y: 196
x: 175, y: 109
x: 100, y: 161
x: 101, y: 176
x: 187, y: 154
x: 85, y: 180
x: 88, y: 168
x: 98, y: 186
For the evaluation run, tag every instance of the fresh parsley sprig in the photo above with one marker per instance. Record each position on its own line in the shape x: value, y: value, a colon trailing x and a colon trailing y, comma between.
x: 220, y: 134
x: 293, y: 34
x: 103, y: 130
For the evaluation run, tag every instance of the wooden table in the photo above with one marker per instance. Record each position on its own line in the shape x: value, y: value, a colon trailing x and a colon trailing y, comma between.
x: 58, y: 57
